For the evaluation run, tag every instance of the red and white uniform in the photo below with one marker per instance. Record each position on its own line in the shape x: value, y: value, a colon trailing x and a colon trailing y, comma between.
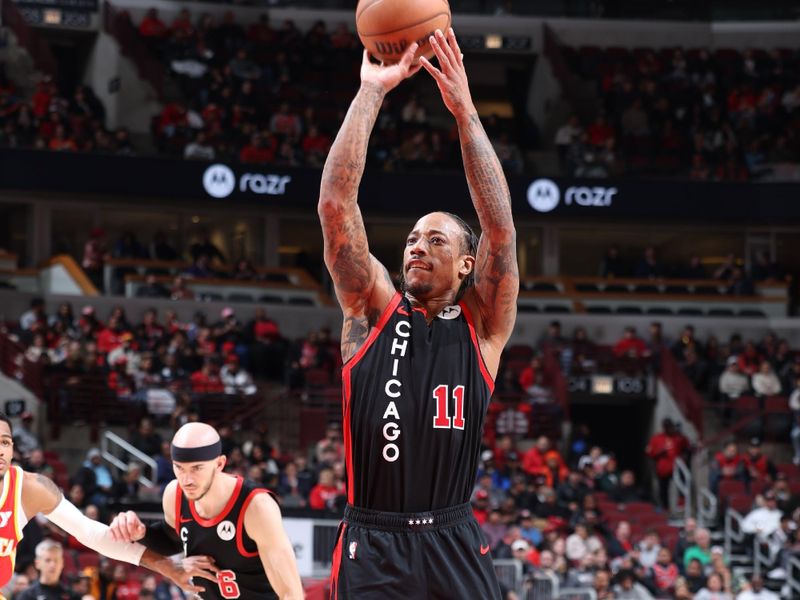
x: 12, y: 520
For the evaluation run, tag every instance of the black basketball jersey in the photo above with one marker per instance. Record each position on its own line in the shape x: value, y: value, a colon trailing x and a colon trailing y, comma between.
x: 224, y: 538
x: 415, y: 399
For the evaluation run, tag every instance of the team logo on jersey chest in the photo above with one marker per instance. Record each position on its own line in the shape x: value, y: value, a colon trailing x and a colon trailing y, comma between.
x: 226, y: 531
x: 450, y: 312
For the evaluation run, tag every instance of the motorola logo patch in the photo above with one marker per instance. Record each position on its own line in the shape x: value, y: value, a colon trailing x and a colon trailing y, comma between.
x: 219, y: 181
x: 226, y: 531
x: 543, y: 195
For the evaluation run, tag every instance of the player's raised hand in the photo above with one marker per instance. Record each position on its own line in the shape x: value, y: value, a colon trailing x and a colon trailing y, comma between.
x: 127, y: 527
x: 451, y: 77
x: 389, y: 76
x: 182, y: 578
x: 200, y: 566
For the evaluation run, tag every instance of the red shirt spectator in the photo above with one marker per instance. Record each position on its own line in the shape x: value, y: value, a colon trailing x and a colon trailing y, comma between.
x: 729, y: 461
x: 750, y: 360
x: 183, y: 23
x: 600, y: 131
x: 527, y: 377
x: 207, y: 380
x: 258, y: 151
x: 151, y: 26
x: 631, y: 345
x: 665, y: 447
x: 324, y: 494
x: 533, y: 460
x: 110, y: 338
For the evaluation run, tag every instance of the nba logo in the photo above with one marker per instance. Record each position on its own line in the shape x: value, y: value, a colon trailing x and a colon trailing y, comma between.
x: 352, y: 548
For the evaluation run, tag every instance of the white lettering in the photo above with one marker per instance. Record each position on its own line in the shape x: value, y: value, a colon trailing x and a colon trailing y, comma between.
x: 395, y: 431
x: 391, y: 452
x: 394, y: 367
x: 407, y: 332
x: 594, y: 196
x: 391, y: 411
x: 398, y: 345
x: 389, y: 384
x: 272, y: 185
x: 4, y: 517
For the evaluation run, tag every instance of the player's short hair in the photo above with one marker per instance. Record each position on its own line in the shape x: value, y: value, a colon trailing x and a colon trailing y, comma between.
x: 4, y: 418
x: 48, y: 545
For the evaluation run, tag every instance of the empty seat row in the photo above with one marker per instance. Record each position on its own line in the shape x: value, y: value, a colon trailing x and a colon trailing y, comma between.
x: 681, y: 311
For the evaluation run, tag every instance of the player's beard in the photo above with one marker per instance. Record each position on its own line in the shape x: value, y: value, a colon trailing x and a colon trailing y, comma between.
x: 208, y: 487
x: 419, y: 289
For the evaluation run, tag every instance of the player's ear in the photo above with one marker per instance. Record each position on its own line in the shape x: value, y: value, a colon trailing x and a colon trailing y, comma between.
x: 221, y: 462
x: 467, y: 265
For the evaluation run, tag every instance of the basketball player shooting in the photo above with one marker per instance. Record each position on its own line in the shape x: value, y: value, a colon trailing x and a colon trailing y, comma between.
x: 229, y: 529
x: 420, y: 363
x: 23, y: 495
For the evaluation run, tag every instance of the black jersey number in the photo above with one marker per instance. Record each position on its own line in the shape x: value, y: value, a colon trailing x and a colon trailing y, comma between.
x: 442, y: 420
x: 228, y: 588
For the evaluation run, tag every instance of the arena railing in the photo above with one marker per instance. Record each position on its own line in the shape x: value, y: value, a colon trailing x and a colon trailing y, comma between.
x: 686, y: 396
x: 793, y: 576
x: 733, y: 534
x: 542, y: 586
x: 118, y: 24
x: 682, y: 501
x: 119, y: 453
x: 16, y: 365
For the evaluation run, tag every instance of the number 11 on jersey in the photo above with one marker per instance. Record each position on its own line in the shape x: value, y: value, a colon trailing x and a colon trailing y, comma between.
x: 442, y: 420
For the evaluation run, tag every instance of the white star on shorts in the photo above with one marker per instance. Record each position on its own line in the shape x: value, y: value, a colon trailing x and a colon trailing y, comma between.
x: 411, y: 521
x: 418, y: 521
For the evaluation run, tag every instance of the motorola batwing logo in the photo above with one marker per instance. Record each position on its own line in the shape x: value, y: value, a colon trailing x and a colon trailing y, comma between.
x: 543, y: 195
x: 219, y: 181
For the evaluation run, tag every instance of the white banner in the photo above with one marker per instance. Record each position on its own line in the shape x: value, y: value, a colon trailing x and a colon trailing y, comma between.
x: 301, y: 534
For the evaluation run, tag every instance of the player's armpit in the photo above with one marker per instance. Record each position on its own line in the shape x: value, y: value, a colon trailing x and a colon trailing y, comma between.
x: 263, y: 524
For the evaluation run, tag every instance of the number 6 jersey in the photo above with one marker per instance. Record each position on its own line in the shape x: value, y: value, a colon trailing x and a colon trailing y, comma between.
x: 224, y: 538
x: 414, y: 400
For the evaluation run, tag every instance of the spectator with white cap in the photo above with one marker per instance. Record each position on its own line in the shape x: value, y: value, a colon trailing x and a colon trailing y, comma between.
x: 733, y: 383
x: 765, y: 519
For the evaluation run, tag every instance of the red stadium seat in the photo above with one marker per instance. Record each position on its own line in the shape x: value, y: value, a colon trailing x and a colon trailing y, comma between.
x: 518, y: 352
x: 792, y: 471
x: 741, y: 503
x: 730, y: 487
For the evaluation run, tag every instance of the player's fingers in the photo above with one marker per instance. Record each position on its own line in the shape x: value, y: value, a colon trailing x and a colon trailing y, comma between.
x: 444, y: 63
x: 426, y: 64
x: 190, y: 587
x: 408, y: 56
x: 205, y: 574
x: 444, y: 55
x: 453, y: 43
x: 365, y: 58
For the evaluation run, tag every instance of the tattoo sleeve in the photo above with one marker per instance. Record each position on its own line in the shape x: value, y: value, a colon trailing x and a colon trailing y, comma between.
x: 496, y: 270
x: 352, y: 268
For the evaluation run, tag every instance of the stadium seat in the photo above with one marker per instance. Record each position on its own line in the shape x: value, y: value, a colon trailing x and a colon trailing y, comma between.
x: 741, y: 503
x: 616, y: 288
x: 778, y: 418
x: 688, y: 311
x: 706, y: 290
x: 241, y: 298
x: 646, y: 289
x: 598, y: 310
x: 676, y: 289
x: 659, y: 310
x: 530, y: 308
x: 752, y: 312
x: 543, y: 286
x: 721, y: 312
x: 267, y: 299
x: 629, y: 310
x: 301, y: 301
x: 792, y: 471
x: 586, y: 287
x: 731, y: 487
x: 556, y: 308
x: 518, y: 351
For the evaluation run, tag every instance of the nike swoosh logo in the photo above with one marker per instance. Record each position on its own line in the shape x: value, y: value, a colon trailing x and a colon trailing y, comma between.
x: 484, y: 550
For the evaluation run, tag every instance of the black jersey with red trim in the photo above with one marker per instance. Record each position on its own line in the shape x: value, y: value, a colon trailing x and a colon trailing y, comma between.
x: 224, y: 538
x: 415, y: 399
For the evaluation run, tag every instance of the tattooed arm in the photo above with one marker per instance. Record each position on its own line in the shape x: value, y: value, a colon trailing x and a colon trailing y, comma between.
x: 363, y: 286
x: 496, y: 270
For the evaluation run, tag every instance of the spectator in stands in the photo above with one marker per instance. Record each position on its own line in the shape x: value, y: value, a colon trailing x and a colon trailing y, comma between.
x: 582, y: 543
x: 713, y: 589
x: 207, y: 379
x: 749, y: 359
x: 200, y: 148
x: 763, y: 520
x: 235, y: 379
x: 649, y: 267
x: 612, y: 264
x: 701, y: 551
x: 765, y: 381
x: 152, y: 27
x: 664, y: 448
x: 152, y: 289
x: 694, y: 269
x: 326, y: 493
x: 127, y: 489
x: 161, y: 249
x: 755, y: 590
x: 200, y: 268
x: 25, y: 440
x: 205, y: 247
x: 687, y: 340
x: 35, y: 317
x: 146, y: 438
x: 95, y: 253
x: 627, y: 491
x: 627, y: 587
x: 757, y: 465
x: 49, y: 565
x: 739, y: 284
x: 664, y: 572
x: 261, y: 149
x: 95, y: 478
x: 244, y: 270
x: 630, y: 345
x: 179, y: 290
x: 553, y: 338
x: 565, y: 136
x: 727, y: 465
x: 733, y: 383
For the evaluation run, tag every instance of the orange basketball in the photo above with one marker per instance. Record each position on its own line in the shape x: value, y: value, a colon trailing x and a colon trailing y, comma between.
x: 388, y: 27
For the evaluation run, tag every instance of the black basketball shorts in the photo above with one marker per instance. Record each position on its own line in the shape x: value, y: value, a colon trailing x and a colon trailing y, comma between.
x: 437, y: 555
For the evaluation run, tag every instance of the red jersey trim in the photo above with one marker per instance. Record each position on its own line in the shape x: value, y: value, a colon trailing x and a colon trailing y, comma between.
x: 20, y: 520
x: 240, y: 523
x: 178, y: 498
x: 387, y: 313
x: 224, y: 512
x: 484, y: 371
x: 336, y: 563
x: 346, y: 389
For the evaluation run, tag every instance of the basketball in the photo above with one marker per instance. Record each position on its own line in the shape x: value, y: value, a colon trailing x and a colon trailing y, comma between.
x: 388, y: 27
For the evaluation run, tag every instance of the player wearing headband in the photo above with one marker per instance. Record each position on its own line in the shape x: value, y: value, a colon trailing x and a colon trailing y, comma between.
x: 23, y: 495
x: 227, y: 527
